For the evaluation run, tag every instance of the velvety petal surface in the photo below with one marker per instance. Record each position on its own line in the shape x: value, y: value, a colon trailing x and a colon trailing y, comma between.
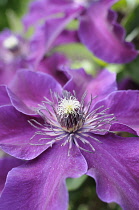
x: 100, y: 86
x: 115, y: 167
x: 52, y: 65
x: 124, y: 106
x: 6, y: 164
x: 41, y: 182
x: 119, y: 127
x: 67, y: 37
x: 103, y: 36
x: 31, y: 88
x: 4, y: 98
x: 47, y: 9
x: 47, y: 34
x: 7, y: 72
x: 55, y: 26
x: 16, y: 133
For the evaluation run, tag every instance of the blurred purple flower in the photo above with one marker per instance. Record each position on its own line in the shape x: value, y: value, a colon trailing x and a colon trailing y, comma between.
x: 18, y: 53
x: 68, y: 135
x: 98, y: 31
x: 13, y: 55
x: 53, y: 33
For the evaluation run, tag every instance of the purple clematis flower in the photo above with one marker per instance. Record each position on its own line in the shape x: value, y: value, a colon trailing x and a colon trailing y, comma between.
x: 53, y: 33
x: 13, y: 51
x: 17, y: 53
x: 98, y: 31
x: 66, y: 132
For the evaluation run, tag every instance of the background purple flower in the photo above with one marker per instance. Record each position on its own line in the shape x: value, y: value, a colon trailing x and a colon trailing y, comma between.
x: 18, y: 53
x: 13, y: 55
x: 99, y: 32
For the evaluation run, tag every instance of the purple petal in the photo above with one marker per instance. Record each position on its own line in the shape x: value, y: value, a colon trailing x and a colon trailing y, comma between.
x: 67, y: 37
x: 44, y: 9
x: 122, y: 128
x: 103, y: 36
x: 115, y: 167
x: 79, y: 81
x: 16, y: 133
x: 124, y: 106
x: 31, y: 87
x: 4, y: 98
x: 19, y: 104
x: 7, y: 72
x: 52, y: 65
x: 41, y: 182
x: 6, y: 164
x: 101, y: 86
x: 47, y: 34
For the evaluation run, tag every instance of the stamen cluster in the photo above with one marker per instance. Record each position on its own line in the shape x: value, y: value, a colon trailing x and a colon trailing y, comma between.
x: 11, y: 43
x: 69, y: 113
x: 70, y: 121
x: 12, y: 49
x: 68, y: 106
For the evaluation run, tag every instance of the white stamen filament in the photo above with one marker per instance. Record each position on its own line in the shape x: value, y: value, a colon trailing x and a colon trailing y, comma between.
x: 68, y: 106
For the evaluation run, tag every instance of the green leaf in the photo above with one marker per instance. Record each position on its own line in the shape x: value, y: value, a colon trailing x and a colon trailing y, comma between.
x: 74, y: 184
x: 14, y: 6
x: 132, y: 21
x: 14, y: 21
x: 120, y: 5
x: 132, y: 70
x: 81, y: 57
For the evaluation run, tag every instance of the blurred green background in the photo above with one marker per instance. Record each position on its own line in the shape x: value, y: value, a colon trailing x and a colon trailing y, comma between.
x: 82, y: 191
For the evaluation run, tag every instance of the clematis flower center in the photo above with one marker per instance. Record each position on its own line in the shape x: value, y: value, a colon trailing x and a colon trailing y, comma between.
x: 13, y: 49
x: 11, y: 43
x: 69, y: 113
x: 70, y: 121
x: 68, y: 106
